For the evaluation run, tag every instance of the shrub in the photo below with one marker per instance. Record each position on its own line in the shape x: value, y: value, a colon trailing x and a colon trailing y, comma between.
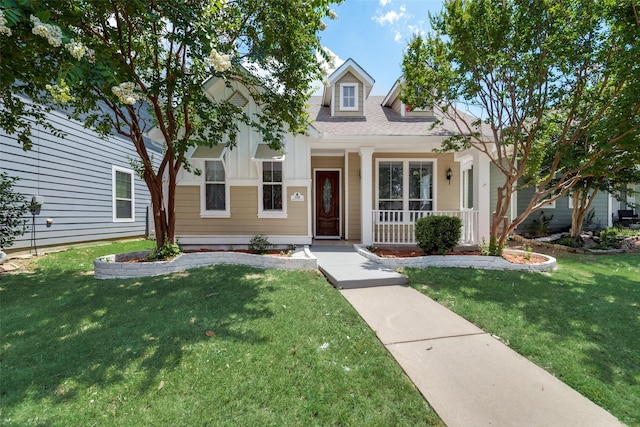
x: 166, y: 251
x: 438, y: 234
x: 13, y: 208
x: 540, y: 227
x: 259, y: 244
x: 491, y: 249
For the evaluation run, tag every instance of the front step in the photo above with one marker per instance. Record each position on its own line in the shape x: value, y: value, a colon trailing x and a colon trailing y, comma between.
x: 346, y: 269
x: 362, y: 276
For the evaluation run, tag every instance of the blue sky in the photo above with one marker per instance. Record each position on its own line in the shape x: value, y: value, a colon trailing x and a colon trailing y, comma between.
x: 375, y: 33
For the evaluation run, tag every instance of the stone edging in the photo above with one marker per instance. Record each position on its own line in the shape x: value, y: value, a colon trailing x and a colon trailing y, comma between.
x: 463, y: 261
x: 116, y: 267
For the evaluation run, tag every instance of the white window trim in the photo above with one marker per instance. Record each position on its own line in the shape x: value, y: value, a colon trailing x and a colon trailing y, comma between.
x: 115, y: 169
x: 405, y: 180
x: 282, y: 214
x: 355, y: 95
x: 204, y: 213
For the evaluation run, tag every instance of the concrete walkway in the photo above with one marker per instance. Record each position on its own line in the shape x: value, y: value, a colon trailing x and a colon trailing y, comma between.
x: 469, y: 377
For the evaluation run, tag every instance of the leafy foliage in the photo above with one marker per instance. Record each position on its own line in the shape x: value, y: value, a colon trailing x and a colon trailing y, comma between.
x: 493, y: 248
x: 551, y: 90
x: 166, y: 251
x: 138, y: 69
x: 13, y: 208
x: 259, y: 244
x: 438, y: 234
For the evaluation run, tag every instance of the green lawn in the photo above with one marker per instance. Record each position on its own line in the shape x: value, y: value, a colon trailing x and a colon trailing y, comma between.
x: 581, y: 322
x: 286, y: 349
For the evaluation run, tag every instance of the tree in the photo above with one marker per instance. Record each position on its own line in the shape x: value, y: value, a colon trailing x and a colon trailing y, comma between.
x: 13, y: 208
x: 540, y: 76
x: 130, y: 67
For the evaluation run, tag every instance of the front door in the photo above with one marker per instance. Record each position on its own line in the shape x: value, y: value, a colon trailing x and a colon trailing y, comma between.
x: 327, y: 204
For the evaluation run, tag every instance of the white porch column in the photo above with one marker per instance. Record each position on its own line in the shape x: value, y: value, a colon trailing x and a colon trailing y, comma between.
x: 482, y: 194
x: 366, y: 194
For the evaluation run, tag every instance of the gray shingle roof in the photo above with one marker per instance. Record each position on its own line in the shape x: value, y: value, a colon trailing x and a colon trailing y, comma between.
x: 379, y: 120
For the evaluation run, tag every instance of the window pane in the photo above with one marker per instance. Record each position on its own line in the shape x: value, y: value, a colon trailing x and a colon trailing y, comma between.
x: 215, y: 197
x: 348, y: 96
x: 388, y: 205
x: 420, y: 180
x: 272, y: 197
x: 123, y: 185
x: 214, y: 171
x: 390, y: 177
x: 123, y: 209
x: 420, y: 205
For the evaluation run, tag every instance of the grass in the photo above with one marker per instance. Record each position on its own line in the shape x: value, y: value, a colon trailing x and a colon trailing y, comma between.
x: 580, y: 323
x: 286, y: 349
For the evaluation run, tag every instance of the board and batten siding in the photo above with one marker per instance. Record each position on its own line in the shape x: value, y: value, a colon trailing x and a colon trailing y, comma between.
x: 74, y: 175
x: 354, y: 190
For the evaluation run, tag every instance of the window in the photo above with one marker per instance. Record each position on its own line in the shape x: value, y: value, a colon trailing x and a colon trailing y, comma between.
x: 271, y: 186
x: 349, y: 97
x: 215, y: 186
x: 123, y: 195
x: 405, y: 185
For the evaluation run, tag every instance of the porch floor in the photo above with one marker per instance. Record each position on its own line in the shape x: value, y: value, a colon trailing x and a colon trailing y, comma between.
x: 346, y: 269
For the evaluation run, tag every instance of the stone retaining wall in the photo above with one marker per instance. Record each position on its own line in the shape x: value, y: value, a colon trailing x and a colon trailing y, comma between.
x: 463, y: 261
x: 117, y: 267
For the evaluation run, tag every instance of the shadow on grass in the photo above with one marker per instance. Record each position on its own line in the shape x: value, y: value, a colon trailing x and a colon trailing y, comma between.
x: 587, y: 314
x: 64, y: 331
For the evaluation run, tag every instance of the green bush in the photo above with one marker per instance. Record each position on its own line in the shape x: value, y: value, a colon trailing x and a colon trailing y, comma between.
x: 259, y: 244
x: 165, y: 252
x: 438, y: 234
x: 492, y: 248
x: 13, y: 208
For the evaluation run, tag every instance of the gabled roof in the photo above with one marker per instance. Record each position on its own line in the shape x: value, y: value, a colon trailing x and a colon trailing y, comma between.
x: 356, y: 70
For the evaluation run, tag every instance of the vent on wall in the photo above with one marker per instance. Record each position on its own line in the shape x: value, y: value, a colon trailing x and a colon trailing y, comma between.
x: 237, y: 99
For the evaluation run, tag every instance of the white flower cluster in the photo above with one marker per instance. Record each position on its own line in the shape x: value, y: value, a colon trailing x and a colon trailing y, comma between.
x: 124, y: 92
x: 332, y: 14
x: 220, y: 62
x: 52, y: 33
x: 60, y: 92
x: 76, y: 49
x: 3, y: 25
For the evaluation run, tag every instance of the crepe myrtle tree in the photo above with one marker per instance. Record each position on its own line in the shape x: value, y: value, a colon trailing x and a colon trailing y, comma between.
x: 13, y: 210
x: 524, y: 81
x: 132, y: 66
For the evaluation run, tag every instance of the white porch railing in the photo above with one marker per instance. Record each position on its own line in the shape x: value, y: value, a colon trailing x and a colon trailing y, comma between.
x: 398, y: 227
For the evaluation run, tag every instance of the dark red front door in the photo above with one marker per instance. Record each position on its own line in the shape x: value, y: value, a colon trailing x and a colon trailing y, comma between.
x: 327, y: 204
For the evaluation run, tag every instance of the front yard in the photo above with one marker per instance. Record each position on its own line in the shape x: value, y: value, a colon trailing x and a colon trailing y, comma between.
x: 224, y: 345
x: 230, y: 345
x: 580, y: 322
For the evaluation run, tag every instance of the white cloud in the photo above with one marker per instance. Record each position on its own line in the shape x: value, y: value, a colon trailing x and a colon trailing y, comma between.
x: 397, y: 37
x: 383, y: 3
x: 389, y: 17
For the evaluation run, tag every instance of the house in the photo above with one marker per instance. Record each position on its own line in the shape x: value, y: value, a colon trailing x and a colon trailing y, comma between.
x: 606, y: 209
x: 86, y: 186
x: 365, y: 171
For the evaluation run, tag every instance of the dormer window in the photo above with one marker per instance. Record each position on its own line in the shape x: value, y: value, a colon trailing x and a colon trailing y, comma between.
x: 349, y: 97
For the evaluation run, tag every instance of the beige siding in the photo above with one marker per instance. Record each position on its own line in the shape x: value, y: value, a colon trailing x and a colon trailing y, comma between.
x: 244, y: 211
x: 353, y: 181
x: 448, y: 196
x: 349, y: 78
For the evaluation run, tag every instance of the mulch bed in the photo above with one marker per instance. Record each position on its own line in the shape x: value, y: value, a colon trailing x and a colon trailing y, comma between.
x: 411, y: 253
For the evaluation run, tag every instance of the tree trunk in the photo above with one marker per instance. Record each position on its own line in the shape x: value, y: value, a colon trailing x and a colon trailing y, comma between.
x: 581, y: 204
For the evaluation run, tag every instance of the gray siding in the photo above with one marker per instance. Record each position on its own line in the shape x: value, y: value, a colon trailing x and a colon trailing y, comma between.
x: 562, y: 213
x: 74, y: 174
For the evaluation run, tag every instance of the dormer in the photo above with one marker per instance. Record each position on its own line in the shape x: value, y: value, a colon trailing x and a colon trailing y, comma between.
x: 393, y: 101
x: 348, y: 88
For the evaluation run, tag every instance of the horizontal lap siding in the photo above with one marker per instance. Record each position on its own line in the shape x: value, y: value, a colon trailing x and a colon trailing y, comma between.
x: 244, y: 212
x: 74, y: 174
x: 562, y: 213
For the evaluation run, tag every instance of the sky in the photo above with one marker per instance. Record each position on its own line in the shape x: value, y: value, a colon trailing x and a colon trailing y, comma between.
x: 375, y: 33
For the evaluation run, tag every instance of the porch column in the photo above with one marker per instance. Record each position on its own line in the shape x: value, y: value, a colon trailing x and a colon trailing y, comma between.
x: 482, y: 194
x: 366, y: 194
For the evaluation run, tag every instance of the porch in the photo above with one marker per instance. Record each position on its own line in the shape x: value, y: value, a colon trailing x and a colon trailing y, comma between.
x: 397, y: 227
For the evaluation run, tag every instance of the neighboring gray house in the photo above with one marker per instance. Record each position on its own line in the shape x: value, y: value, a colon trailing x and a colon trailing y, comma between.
x: 86, y: 185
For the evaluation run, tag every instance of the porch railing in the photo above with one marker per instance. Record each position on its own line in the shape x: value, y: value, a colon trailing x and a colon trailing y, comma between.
x: 398, y: 227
